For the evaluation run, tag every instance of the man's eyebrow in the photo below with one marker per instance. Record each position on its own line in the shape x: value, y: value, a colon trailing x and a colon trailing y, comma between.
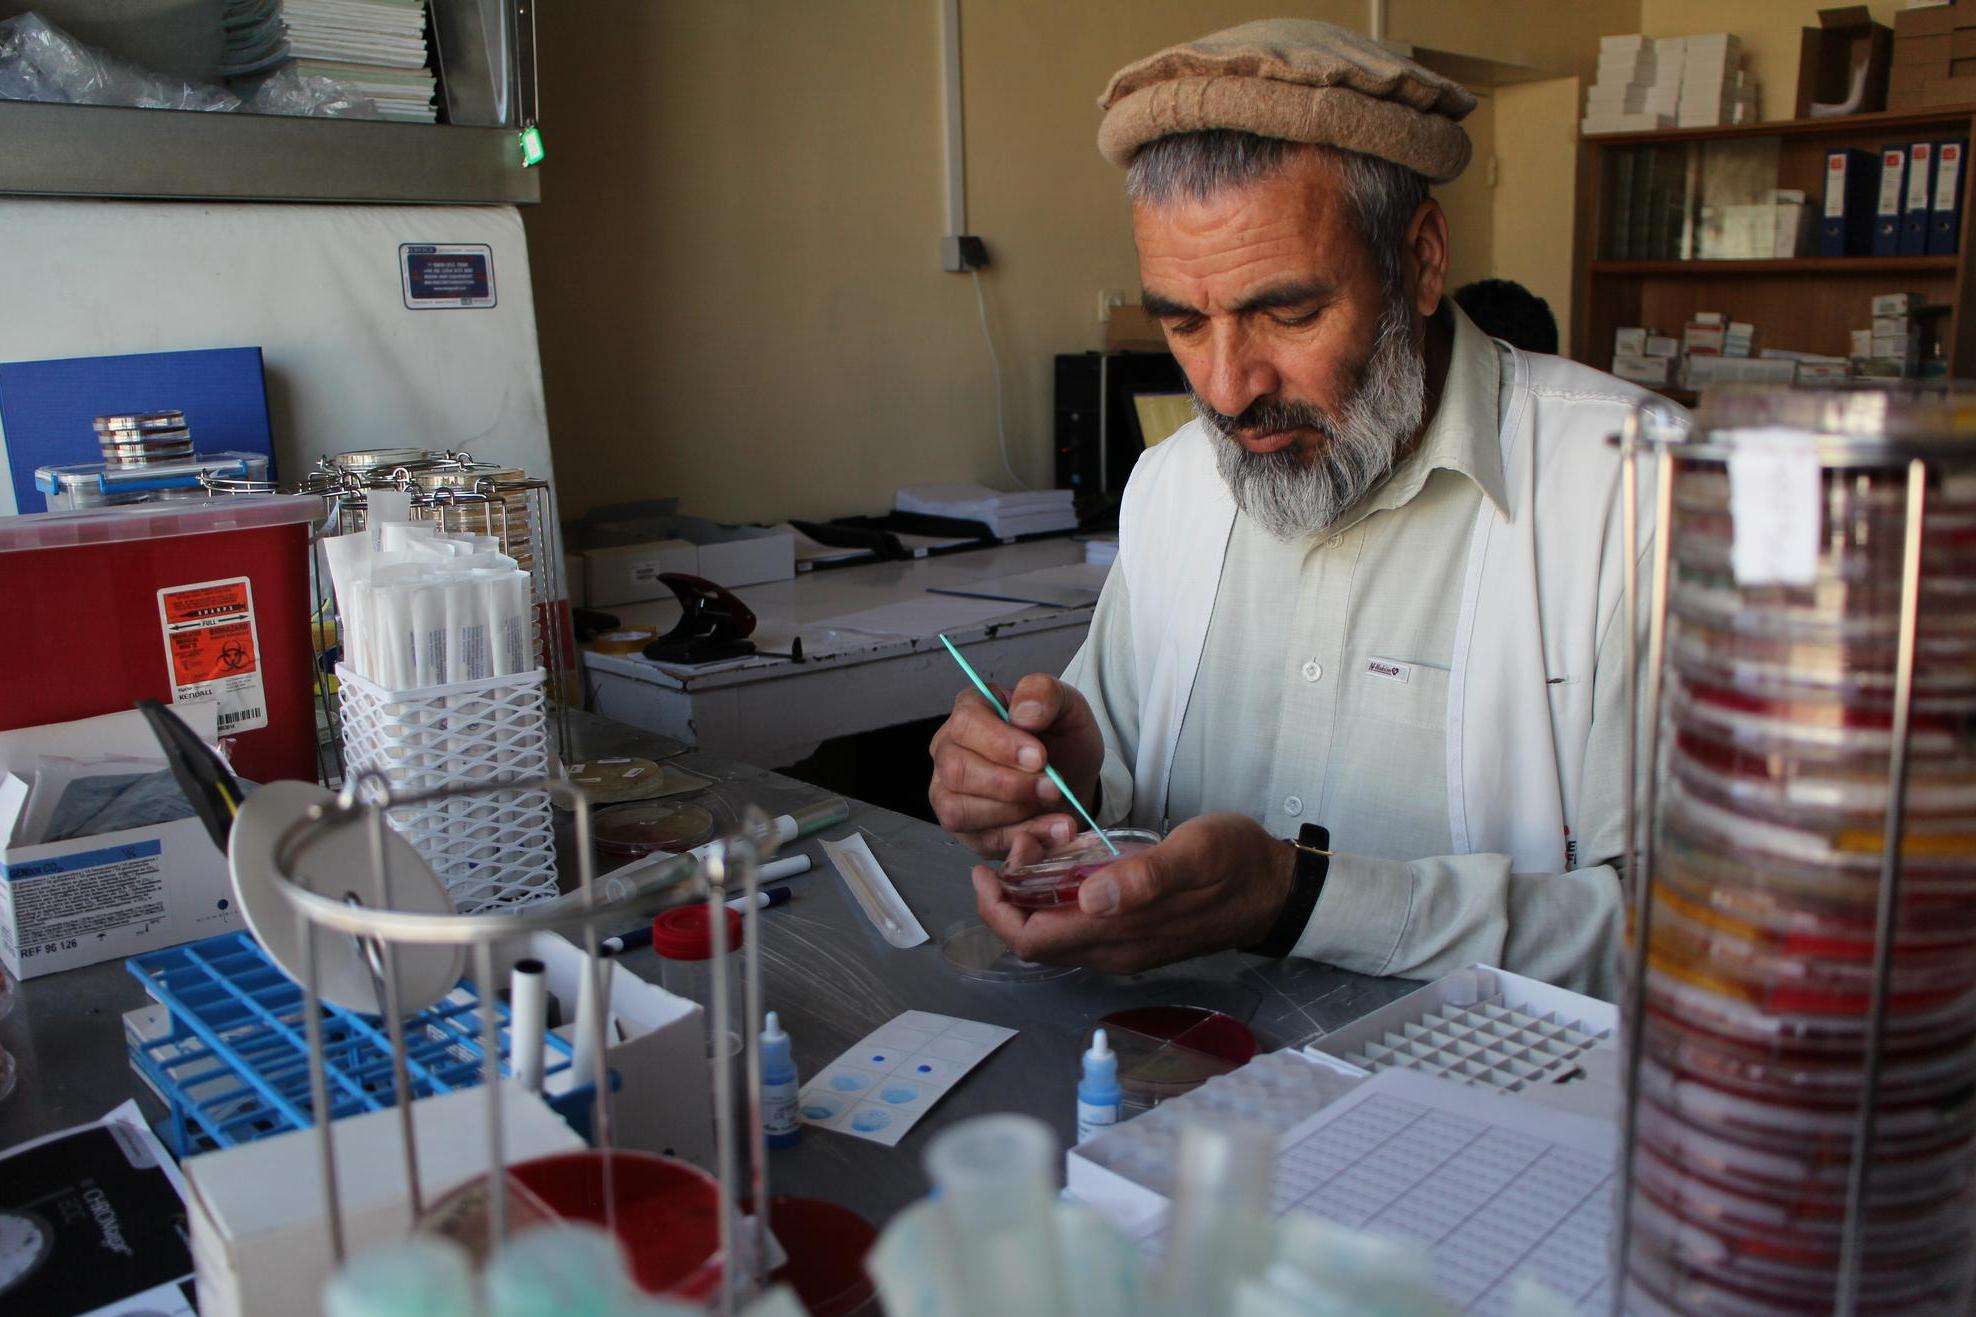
x: 1164, y: 308
x: 1297, y: 292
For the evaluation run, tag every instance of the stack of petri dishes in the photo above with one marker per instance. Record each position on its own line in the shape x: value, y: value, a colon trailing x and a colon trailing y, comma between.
x: 138, y: 439
x: 1777, y: 738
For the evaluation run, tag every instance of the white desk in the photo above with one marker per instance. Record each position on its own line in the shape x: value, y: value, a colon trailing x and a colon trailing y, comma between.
x: 772, y: 712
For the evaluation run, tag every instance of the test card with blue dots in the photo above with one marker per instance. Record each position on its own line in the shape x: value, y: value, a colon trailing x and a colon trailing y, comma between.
x: 878, y: 1089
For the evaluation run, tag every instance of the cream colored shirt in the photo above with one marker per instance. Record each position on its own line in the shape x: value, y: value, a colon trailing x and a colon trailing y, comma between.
x: 1322, y: 698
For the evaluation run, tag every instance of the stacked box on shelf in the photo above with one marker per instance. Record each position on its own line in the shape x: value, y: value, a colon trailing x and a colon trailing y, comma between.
x: 1625, y: 97
x: 1643, y: 356
x: 1712, y: 82
x: 1934, y: 57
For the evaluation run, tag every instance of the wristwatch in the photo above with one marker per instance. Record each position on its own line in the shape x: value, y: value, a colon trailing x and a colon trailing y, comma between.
x: 1313, y: 845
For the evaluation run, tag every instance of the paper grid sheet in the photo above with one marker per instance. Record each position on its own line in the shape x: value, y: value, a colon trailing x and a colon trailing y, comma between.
x: 880, y: 1088
x: 1493, y: 1186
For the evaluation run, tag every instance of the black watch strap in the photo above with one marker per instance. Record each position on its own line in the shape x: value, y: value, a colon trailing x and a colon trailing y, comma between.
x: 1313, y: 845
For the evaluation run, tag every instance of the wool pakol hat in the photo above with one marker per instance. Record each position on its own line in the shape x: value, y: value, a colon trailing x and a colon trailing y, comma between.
x: 1295, y: 79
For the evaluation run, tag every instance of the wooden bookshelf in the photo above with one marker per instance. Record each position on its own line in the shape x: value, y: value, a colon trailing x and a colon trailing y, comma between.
x: 1809, y: 303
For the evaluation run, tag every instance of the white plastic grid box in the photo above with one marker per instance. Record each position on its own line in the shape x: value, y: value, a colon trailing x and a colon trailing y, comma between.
x: 490, y: 849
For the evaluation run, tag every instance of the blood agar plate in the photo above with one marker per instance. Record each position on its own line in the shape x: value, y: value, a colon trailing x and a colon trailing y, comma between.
x: 1055, y: 879
x: 1164, y: 1051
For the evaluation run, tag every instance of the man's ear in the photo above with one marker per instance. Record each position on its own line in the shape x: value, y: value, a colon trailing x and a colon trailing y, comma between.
x: 1427, y: 255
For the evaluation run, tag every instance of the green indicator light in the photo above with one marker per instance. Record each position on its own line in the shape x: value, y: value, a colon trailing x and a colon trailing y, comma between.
x: 531, y: 146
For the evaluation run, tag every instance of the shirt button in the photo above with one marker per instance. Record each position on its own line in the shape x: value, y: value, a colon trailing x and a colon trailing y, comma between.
x: 1334, y: 541
x: 1313, y: 670
x: 1293, y: 805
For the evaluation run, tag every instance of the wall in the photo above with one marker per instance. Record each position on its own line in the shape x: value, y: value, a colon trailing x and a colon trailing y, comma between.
x: 737, y: 282
x: 1769, y: 30
x: 1536, y: 145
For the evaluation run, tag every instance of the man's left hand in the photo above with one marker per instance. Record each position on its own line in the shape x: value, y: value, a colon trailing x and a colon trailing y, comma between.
x: 1217, y: 881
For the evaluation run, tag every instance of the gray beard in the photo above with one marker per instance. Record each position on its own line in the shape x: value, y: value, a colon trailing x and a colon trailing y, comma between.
x: 1291, y: 494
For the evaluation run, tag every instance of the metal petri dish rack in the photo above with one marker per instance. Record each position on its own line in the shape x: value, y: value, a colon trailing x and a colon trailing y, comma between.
x: 1799, y: 1019
x: 730, y: 868
x: 463, y: 496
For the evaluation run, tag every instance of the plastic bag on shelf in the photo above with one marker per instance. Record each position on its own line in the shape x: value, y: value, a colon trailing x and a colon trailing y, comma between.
x: 40, y: 62
x: 289, y: 91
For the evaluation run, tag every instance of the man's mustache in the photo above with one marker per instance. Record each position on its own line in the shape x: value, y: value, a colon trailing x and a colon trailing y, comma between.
x: 1264, y: 415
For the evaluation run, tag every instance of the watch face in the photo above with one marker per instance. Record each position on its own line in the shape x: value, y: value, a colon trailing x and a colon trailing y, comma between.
x: 24, y: 1243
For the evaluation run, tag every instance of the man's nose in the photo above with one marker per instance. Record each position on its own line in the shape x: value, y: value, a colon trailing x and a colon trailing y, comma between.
x: 1236, y: 374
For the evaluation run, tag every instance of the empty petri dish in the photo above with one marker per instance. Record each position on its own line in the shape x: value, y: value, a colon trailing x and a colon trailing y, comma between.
x: 974, y: 951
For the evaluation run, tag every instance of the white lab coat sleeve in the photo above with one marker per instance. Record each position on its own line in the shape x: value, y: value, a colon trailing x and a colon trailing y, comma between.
x: 1104, y: 672
x: 1423, y: 918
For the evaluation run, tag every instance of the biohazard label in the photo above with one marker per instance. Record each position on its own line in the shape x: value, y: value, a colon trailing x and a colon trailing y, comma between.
x: 212, y: 651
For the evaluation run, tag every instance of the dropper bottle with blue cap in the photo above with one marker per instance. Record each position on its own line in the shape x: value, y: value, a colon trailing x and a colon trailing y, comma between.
x: 781, y: 1123
x: 1098, y: 1096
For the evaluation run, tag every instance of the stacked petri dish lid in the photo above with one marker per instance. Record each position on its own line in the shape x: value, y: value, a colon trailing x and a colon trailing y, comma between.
x: 1777, y: 730
x: 139, y: 439
x: 482, y: 498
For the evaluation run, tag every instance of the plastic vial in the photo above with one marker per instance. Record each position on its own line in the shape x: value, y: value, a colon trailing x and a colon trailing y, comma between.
x: 780, y: 1125
x: 1098, y: 1094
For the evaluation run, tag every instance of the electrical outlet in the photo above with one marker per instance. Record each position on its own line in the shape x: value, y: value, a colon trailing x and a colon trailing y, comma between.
x: 962, y: 252
x: 1109, y: 300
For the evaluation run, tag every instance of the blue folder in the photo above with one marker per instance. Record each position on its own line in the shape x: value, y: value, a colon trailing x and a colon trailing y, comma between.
x: 46, y: 407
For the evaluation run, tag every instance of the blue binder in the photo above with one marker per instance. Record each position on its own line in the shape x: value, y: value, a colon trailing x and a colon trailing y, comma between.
x: 1845, y: 225
x: 1889, y: 198
x: 1920, y: 196
x: 1945, y: 215
x: 46, y: 407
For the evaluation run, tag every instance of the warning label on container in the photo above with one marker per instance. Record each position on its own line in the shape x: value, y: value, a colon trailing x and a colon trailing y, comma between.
x: 212, y: 651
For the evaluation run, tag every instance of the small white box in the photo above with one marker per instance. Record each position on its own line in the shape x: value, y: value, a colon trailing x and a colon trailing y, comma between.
x: 1862, y: 343
x: 1662, y: 345
x: 1631, y: 338
x: 1642, y: 370
x: 1887, y: 326
x: 1897, y: 304
x: 66, y: 904
x: 260, y: 1243
x: 629, y: 573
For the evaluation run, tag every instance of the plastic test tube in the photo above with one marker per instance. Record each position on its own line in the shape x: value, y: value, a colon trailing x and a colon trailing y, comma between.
x: 528, y: 1016
x: 996, y: 1177
x: 1222, y: 1230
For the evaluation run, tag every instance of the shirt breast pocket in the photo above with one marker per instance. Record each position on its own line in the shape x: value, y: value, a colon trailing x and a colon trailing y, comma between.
x: 1404, y: 693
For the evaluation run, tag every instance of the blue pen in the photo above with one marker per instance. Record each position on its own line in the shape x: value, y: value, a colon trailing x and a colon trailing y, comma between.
x: 1048, y: 771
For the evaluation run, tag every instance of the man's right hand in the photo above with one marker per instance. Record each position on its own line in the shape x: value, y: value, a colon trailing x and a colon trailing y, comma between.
x: 988, y: 775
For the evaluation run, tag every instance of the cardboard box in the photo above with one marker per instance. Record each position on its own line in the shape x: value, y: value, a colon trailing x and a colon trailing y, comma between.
x: 1661, y: 345
x: 1950, y: 91
x: 1642, y: 370
x: 624, y: 557
x: 1884, y: 326
x: 629, y: 573
x: 66, y: 904
x: 1924, y: 50
x: 1933, y: 21
x: 1907, y: 85
x: 260, y: 1243
x: 1862, y: 343
x: 1897, y: 304
x: 664, y: 1102
x: 1829, y: 53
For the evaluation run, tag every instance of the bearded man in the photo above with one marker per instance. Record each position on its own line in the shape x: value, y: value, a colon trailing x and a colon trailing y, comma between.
x: 1363, y: 649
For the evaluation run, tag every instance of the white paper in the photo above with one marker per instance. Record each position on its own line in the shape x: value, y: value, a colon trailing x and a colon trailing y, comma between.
x: 922, y: 617
x: 1774, y: 502
x: 880, y: 1088
x: 101, y: 737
